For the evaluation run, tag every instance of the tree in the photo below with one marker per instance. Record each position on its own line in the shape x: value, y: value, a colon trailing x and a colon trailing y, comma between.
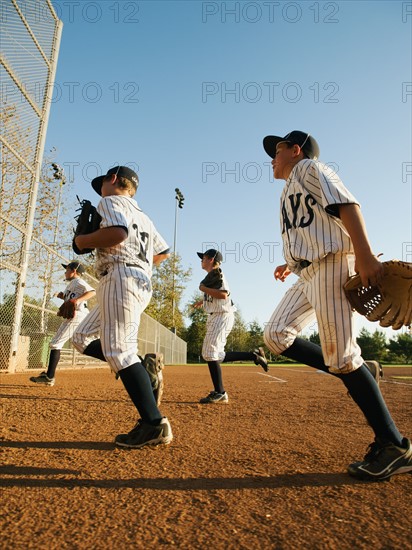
x: 195, y: 333
x: 255, y: 336
x: 372, y: 346
x: 314, y: 338
x: 15, y: 181
x: 400, y: 349
x: 48, y: 228
x: 165, y: 293
x: 238, y: 339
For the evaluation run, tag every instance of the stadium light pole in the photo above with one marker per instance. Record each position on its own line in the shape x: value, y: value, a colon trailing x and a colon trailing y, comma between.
x: 179, y: 198
x: 58, y: 174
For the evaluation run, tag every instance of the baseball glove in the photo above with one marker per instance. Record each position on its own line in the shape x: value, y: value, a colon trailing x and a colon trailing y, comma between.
x: 88, y: 221
x: 153, y: 363
x: 67, y: 310
x: 214, y: 279
x: 390, y: 302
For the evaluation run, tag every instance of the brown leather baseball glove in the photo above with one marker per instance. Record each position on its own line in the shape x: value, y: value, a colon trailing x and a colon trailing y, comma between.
x: 154, y: 364
x: 67, y: 310
x: 390, y: 302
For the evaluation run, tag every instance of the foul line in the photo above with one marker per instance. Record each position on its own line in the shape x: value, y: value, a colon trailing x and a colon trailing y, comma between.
x: 276, y: 379
x: 273, y: 377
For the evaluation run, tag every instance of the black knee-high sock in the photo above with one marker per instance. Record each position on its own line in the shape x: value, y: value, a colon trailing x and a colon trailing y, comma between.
x: 307, y: 353
x: 361, y: 386
x: 137, y: 383
x: 53, y: 360
x: 216, y: 375
x: 238, y: 356
x: 366, y: 393
x: 94, y: 349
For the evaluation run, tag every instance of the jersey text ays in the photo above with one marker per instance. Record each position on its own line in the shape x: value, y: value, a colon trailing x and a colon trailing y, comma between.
x: 296, y: 204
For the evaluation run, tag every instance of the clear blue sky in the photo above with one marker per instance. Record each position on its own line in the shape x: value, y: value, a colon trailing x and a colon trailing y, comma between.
x: 185, y: 91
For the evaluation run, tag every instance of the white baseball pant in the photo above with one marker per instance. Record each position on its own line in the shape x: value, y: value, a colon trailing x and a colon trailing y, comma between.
x: 121, y: 301
x: 218, y: 327
x: 318, y: 296
x: 67, y: 329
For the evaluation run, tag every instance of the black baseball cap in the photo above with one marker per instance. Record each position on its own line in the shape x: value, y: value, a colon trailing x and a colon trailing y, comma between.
x: 306, y: 142
x: 75, y: 266
x: 121, y: 171
x: 211, y: 253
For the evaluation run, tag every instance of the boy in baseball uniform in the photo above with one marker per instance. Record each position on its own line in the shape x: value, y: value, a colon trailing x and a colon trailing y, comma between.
x: 127, y: 245
x: 324, y: 242
x: 218, y: 304
x: 77, y: 291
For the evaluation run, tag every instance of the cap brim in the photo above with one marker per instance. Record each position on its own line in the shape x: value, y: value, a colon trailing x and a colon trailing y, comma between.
x: 200, y: 254
x: 270, y: 143
x: 97, y: 184
x: 65, y: 266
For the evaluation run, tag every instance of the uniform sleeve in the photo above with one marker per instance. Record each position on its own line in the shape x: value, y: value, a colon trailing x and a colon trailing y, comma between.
x: 225, y: 285
x: 326, y: 187
x: 159, y: 244
x: 113, y: 213
x: 84, y: 287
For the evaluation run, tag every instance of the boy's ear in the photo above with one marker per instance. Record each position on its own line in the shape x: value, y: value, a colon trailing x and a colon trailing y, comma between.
x: 297, y: 150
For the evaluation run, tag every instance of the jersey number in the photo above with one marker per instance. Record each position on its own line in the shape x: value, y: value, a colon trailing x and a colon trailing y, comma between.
x: 143, y: 240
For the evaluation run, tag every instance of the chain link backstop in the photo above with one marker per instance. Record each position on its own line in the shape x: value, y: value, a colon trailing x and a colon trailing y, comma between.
x: 30, y: 233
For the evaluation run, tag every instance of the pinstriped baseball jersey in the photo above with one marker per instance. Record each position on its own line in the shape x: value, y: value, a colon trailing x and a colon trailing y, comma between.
x: 310, y: 225
x: 219, y: 305
x: 76, y: 288
x: 124, y: 289
x: 142, y: 242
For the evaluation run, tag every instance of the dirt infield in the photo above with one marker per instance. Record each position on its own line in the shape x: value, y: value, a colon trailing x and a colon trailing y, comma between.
x: 266, y: 470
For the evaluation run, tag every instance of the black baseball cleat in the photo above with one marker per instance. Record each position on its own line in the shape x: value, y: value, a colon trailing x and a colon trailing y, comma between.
x: 260, y: 359
x: 145, y: 434
x: 383, y: 461
x: 376, y: 370
x: 42, y: 379
x: 215, y: 397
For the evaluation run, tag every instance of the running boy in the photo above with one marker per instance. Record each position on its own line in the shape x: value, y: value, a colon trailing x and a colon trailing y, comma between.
x: 221, y: 315
x: 324, y: 242
x: 127, y: 245
x: 78, y: 291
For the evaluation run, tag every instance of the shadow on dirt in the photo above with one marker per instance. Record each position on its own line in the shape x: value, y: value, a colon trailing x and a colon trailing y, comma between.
x: 169, y: 484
